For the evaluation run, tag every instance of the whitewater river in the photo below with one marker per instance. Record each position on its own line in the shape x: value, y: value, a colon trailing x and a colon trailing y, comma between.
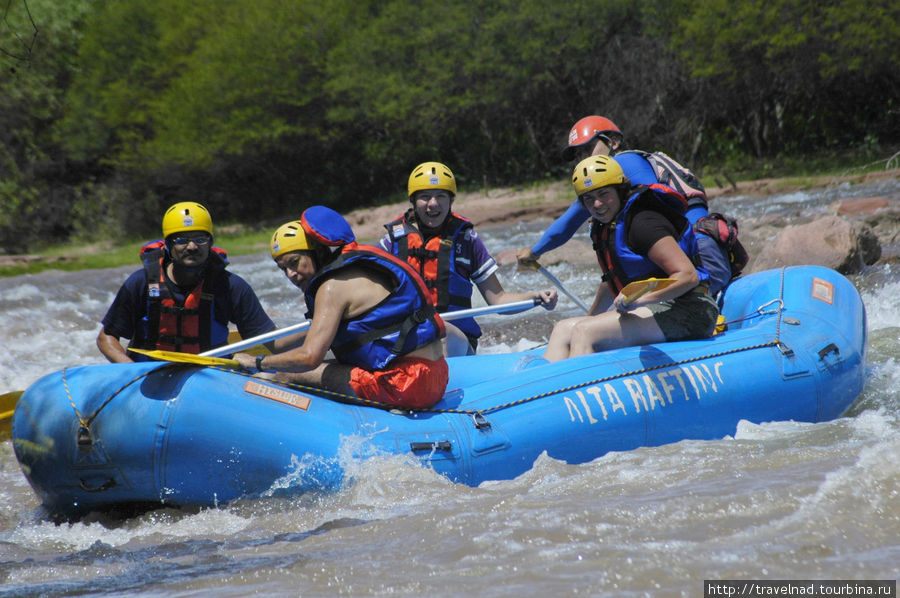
x: 780, y: 500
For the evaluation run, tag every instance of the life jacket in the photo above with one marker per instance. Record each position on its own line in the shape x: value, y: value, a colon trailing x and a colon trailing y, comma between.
x: 400, y: 324
x: 621, y: 264
x: 189, y: 325
x: 724, y: 229
x: 435, y: 261
x: 672, y: 174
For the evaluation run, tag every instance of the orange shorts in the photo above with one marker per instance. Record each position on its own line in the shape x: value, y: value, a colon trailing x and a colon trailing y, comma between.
x: 408, y: 382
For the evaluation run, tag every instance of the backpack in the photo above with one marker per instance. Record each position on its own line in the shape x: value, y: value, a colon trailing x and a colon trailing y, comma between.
x: 724, y: 229
x: 671, y: 173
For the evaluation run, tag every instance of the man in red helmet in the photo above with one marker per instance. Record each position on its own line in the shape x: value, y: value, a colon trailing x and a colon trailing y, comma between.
x: 592, y: 136
x: 596, y: 136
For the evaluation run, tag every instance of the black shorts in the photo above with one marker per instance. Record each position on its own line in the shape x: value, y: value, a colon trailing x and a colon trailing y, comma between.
x: 688, y: 317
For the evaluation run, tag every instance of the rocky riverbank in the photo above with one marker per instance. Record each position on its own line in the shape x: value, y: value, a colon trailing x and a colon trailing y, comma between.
x: 858, y: 231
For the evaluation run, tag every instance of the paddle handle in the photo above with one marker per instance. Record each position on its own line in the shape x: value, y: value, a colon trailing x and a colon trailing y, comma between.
x: 256, y: 340
x: 501, y: 308
x: 555, y: 281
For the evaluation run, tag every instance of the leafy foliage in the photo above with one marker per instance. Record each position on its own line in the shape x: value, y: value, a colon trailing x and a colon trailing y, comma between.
x: 110, y: 111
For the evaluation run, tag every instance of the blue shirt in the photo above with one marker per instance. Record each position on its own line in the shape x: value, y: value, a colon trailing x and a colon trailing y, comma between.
x: 637, y: 170
x: 234, y: 301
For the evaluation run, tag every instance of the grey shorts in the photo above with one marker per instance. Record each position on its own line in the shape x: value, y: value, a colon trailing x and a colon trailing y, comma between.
x: 689, y: 317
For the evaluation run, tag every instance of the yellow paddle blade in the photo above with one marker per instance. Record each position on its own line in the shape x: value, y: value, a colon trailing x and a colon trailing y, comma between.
x: 637, y: 288
x: 235, y: 336
x: 721, y: 326
x: 177, y: 357
x: 7, y: 406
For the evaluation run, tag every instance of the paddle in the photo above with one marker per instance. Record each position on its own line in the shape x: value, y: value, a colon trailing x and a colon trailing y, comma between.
x: 187, y: 358
x: 638, y: 288
x: 7, y: 407
x: 501, y: 308
x: 235, y: 337
x: 560, y: 286
x: 208, y: 358
x: 256, y: 340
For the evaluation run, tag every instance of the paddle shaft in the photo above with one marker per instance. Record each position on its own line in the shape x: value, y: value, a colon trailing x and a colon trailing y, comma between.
x: 449, y: 316
x: 555, y: 281
x: 10, y: 398
x: 256, y: 340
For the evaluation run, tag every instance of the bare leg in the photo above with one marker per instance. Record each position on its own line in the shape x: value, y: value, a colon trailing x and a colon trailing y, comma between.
x: 611, y: 330
x: 559, y: 345
x: 455, y: 343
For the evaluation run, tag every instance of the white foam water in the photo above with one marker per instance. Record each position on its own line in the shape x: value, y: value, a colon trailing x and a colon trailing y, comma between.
x: 777, y: 500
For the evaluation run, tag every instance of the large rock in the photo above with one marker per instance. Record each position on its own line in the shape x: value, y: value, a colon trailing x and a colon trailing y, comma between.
x: 840, y: 244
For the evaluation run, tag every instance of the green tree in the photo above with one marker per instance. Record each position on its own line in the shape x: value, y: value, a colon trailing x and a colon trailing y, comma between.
x: 37, y: 58
x: 788, y: 73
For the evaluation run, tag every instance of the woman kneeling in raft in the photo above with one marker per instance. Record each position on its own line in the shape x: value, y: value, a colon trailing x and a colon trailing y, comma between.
x: 370, y: 308
x: 638, y: 233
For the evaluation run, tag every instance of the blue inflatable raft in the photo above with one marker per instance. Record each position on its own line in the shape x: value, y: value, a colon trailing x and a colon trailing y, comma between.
x: 105, y: 436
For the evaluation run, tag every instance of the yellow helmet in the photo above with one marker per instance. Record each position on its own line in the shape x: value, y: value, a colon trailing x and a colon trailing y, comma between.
x: 186, y: 216
x: 431, y: 175
x: 290, y: 237
x: 595, y: 172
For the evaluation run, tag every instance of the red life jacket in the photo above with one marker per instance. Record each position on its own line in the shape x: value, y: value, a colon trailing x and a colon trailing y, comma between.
x: 432, y: 260
x: 187, y: 326
x: 435, y: 261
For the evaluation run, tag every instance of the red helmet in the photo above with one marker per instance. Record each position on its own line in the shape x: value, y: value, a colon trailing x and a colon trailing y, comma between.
x: 588, y: 129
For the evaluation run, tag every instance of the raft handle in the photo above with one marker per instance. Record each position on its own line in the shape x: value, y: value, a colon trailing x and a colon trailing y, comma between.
x: 441, y: 445
x: 785, y: 350
x: 83, y: 438
x: 481, y: 423
x: 828, y: 349
x: 104, y: 486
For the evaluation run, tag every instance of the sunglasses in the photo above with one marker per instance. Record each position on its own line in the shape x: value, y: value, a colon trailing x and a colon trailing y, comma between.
x: 200, y: 241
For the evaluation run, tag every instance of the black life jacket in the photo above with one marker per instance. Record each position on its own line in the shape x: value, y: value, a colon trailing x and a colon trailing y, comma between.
x: 189, y: 325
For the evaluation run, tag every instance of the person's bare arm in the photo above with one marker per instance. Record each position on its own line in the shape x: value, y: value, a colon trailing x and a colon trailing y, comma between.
x: 666, y: 254
x: 346, y: 295
x: 492, y: 291
x: 111, y: 348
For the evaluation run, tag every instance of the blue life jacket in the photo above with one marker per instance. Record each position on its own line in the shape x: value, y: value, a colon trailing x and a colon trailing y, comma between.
x: 621, y: 264
x: 188, y: 324
x: 435, y: 261
x: 400, y: 324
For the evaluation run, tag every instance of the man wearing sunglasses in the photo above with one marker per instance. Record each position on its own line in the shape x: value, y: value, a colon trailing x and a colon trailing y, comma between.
x: 183, y: 298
